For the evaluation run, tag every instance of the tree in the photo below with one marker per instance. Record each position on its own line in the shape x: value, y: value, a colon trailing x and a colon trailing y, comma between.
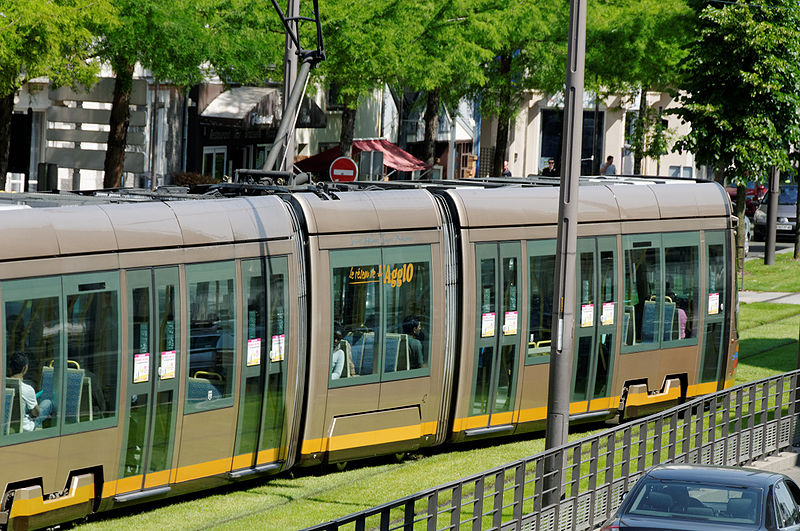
x: 531, y: 55
x: 362, y: 46
x: 743, y: 91
x: 246, y: 41
x: 633, y: 48
x: 43, y: 38
x: 448, y: 44
x: 167, y: 38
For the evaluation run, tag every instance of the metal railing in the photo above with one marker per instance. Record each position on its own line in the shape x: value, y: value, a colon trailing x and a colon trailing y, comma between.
x: 733, y: 427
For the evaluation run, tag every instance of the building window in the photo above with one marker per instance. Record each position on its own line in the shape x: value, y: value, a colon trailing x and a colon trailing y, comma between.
x: 215, y: 159
x: 333, y: 102
x: 592, y: 145
x: 259, y: 155
x: 687, y: 172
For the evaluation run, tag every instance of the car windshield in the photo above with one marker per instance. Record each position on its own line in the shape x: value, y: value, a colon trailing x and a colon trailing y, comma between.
x: 788, y: 195
x: 678, y: 499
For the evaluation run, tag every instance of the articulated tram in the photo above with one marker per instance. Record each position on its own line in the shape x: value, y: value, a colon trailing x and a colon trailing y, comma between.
x: 160, y: 347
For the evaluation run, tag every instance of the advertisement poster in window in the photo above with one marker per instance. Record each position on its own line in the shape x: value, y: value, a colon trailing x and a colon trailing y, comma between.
x: 607, y: 317
x: 510, y: 326
x: 254, y: 352
x: 167, y: 369
x: 141, y: 367
x: 487, y: 325
x: 713, y: 303
x: 587, y: 315
x: 278, y: 343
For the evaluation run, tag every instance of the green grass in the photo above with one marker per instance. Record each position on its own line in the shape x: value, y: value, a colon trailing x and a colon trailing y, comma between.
x: 784, y: 275
x: 768, y: 335
x: 768, y: 345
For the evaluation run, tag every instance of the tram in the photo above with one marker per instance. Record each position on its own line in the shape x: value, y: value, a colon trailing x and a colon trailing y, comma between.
x: 160, y: 347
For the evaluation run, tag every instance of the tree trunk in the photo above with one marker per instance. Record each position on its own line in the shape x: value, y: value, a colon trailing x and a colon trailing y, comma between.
x: 639, y: 133
x: 431, y: 127
x: 348, y: 128
x: 739, y: 208
x: 118, y: 123
x: 400, y: 103
x: 504, y: 117
x: 6, y: 109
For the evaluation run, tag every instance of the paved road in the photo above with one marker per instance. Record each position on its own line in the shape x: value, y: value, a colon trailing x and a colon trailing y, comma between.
x: 757, y: 249
x: 769, y: 296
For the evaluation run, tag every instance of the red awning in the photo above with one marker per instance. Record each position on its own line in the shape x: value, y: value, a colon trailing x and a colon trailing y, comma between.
x: 393, y: 157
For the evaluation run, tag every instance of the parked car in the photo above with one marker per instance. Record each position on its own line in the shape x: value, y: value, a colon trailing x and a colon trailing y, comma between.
x: 787, y: 214
x: 708, y: 498
x: 754, y: 194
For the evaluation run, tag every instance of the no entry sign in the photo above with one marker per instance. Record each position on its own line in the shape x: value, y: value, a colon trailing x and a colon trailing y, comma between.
x: 343, y: 169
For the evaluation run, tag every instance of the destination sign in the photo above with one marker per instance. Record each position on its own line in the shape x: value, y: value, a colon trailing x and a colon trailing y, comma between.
x: 394, y: 276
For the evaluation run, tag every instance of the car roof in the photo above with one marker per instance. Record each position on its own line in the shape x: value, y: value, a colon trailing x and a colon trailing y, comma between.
x: 732, y: 476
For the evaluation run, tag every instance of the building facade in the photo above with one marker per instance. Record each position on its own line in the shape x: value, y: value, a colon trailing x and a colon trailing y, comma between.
x: 214, y: 130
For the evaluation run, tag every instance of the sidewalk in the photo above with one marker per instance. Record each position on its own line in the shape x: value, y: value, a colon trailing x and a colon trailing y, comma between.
x: 784, y: 462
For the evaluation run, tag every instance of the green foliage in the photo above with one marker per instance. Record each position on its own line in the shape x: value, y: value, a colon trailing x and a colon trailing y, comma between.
x: 651, y: 138
x: 246, y: 41
x: 167, y: 38
x: 529, y: 54
x: 743, y: 87
x: 50, y: 38
x: 364, y: 44
x: 630, y: 45
x: 446, y: 46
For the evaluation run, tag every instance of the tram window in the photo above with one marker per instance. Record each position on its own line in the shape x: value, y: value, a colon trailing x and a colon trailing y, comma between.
x: 212, y: 315
x: 381, y: 306
x: 356, y: 315
x: 643, y: 299
x: 93, y: 347
x: 681, y: 268
x: 32, y: 383
x: 542, y: 287
x: 406, y: 278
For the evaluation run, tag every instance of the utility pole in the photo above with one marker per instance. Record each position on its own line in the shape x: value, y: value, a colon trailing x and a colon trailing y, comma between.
x: 290, y: 77
x: 565, y: 301
x: 772, y: 216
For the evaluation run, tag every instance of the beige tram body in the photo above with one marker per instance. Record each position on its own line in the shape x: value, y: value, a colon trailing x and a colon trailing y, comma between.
x: 185, y: 344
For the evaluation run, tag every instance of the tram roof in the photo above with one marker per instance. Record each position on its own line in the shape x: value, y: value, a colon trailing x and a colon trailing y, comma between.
x: 108, y: 227
x: 597, y: 202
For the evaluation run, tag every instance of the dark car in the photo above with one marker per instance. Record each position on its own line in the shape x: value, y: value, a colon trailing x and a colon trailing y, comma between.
x: 754, y: 194
x: 708, y: 498
x: 787, y: 214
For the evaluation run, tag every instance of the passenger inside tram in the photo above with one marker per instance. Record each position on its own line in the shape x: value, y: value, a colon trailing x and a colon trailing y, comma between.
x: 337, y: 357
x: 35, y: 413
x: 413, y: 328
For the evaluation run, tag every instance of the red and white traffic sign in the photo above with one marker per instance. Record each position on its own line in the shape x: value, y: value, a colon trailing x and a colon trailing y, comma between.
x: 344, y: 169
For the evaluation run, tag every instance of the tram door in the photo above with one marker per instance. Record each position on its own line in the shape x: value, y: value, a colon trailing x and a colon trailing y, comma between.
x: 263, y: 365
x: 712, y: 366
x: 594, y: 324
x: 152, y: 386
x: 494, y: 377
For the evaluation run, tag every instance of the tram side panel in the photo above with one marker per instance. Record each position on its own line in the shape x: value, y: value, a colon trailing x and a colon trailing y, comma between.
x: 117, y: 349
x: 376, y: 341
x: 648, y: 327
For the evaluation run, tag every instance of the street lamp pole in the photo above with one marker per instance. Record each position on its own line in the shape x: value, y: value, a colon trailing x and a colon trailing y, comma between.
x: 565, y: 300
